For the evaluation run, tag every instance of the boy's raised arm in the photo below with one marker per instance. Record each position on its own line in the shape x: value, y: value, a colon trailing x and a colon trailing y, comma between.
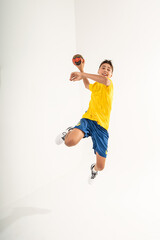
x: 76, y: 76
x: 97, y: 78
x: 85, y: 80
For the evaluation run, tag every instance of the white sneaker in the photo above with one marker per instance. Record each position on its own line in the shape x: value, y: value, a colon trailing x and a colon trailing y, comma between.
x: 61, y: 137
x: 93, y: 175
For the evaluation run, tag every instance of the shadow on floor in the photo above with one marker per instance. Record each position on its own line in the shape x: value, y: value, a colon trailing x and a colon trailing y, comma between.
x: 21, y: 212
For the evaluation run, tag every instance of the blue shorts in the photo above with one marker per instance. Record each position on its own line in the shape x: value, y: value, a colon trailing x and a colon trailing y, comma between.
x: 98, y: 134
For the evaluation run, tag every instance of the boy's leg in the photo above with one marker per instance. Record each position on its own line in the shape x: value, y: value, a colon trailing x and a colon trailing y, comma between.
x: 100, y: 162
x: 73, y: 137
x: 99, y: 166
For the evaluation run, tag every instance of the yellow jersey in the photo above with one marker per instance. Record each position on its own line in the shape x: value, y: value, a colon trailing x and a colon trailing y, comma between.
x: 100, y: 104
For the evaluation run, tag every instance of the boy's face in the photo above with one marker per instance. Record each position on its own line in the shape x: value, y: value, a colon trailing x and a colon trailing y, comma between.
x: 105, y: 70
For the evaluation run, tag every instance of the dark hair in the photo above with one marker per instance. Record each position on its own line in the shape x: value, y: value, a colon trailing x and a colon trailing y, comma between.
x: 107, y: 61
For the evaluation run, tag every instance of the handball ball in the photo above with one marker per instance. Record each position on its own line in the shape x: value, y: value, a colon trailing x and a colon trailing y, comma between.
x: 77, y: 59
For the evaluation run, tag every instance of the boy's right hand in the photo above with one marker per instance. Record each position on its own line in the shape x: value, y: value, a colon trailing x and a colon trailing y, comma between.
x: 81, y: 66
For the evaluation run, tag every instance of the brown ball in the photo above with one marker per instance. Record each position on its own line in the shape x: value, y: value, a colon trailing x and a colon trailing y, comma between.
x: 77, y: 59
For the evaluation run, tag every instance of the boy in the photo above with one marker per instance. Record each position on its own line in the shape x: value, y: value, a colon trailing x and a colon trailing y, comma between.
x: 95, y: 121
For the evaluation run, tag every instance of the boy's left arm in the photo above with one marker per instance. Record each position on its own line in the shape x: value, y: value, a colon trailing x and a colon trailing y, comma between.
x: 98, y: 78
x: 76, y: 76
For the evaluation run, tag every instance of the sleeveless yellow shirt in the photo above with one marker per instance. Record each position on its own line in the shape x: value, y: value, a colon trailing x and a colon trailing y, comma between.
x: 100, y: 104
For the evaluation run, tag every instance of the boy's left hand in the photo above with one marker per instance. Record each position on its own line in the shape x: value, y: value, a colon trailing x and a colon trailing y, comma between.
x: 76, y: 76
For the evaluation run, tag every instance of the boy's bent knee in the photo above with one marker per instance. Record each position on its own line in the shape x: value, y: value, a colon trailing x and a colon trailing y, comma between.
x: 73, y: 137
x: 69, y: 142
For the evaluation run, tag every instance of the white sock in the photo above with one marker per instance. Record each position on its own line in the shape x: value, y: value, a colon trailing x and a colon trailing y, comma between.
x: 94, y: 170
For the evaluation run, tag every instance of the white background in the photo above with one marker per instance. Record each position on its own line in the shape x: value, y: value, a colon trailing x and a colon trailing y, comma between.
x: 44, y: 189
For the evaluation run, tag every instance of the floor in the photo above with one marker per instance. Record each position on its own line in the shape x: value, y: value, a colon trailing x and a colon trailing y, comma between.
x: 69, y: 208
